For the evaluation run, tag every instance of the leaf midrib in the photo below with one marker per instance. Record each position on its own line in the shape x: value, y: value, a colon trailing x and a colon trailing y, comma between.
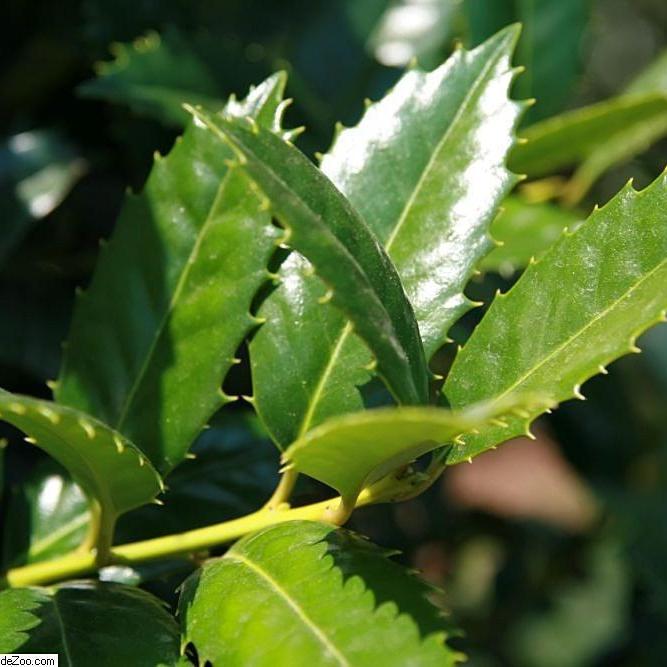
x: 581, y: 331
x: 293, y: 605
x: 185, y: 273
x: 345, y: 332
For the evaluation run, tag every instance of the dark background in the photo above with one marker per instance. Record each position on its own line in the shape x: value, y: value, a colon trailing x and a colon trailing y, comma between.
x: 549, y: 553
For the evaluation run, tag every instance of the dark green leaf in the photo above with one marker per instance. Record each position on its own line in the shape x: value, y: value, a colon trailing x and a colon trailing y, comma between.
x: 323, y: 226
x: 155, y: 335
x: 89, y: 623
x: 155, y: 76
x: 570, y: 314
x: 309, y: 594
x: 421, y: 171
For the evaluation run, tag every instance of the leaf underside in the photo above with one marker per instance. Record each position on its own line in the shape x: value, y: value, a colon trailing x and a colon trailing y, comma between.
x: 157, y: 331
x: 309, y: 594
x: 352, y: 451
x: 421, y: 172
x: 107, y: 466
x: 569, y: 315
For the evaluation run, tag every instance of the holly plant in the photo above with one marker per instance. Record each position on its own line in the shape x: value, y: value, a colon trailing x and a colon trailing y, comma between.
x: 338, y: 284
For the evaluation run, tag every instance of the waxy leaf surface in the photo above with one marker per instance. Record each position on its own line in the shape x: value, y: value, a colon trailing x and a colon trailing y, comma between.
x: 425, y: 169
x: 169, y: 303
x: 306, y: 593
x: 569, y: 315
x: 89, y: 623
x: 322, y: 225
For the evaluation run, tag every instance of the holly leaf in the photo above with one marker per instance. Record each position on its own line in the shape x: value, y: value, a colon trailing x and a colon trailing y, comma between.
x: 322, y: 225
x: 570, y: 314
x: 525, y: 231
x: 89, y: 623
x: 155, y: 75
x: 420, y: 170
x: 157, y: 331
x: 350, y: 452
x: 305, y: 593
x: 113, y: 473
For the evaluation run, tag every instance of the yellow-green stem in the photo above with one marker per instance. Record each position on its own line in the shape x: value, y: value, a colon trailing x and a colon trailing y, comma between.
x: 77, y: 563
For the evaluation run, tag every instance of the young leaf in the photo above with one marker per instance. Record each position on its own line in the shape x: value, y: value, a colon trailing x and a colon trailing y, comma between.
x: 306, y: 593
x: 323, y: 226
x: 422, y: 172
x: 155, y: 335
x: 89, y: 623
x: 352, y: 451
x: 155, y: 76
x: 109, y: 468
x: 525, y: 230
x: 569, y: 315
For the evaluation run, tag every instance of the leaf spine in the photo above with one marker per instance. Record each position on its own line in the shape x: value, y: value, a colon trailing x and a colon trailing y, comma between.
x: 29, y: 440
x: 88, y: 428
x: 120, y: 447
x: 52, y: 416
x: 17, y: 408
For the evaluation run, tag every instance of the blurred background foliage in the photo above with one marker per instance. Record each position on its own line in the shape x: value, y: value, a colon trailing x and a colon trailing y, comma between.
x: 550, y: 552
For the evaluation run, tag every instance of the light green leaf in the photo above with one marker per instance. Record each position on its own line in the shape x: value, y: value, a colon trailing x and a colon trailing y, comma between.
x: 156, y: 333
x: 425, y: 169
x: 309, y: 594
x: 323, y: 226
x: 525, y: 230
x: 569, y: 315
x: 155, y: 76
x: 112, y: 472
x: 89, y: 623
x: 571, y: 137
x: 637, y: 137
x: 352, y: 451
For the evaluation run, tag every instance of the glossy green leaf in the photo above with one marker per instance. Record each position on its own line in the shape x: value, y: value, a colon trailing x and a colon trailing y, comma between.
x: 525, y: 231
x: 352, y: 451
x: 155, y: 75
x: 309, y: 594
x: 422, y: 171
x: 323, y: 226
x: 89, y: 623
x: 47, y: 516
x: 113, y: 473
x: 37, y: 170
x: 572, y: 136
x: 570, y: 314
x: 156, y: 333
